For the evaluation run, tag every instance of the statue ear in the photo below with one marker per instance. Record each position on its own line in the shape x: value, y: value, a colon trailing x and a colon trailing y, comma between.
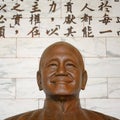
x: 39, y: 80
x: 84, y: 80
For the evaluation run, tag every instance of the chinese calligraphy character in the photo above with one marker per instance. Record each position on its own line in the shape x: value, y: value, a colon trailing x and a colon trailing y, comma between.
x: 17, y: 19
x: 104, y: 5
x: 2, y: 19
x: 118, y: 33
x: 2, y: 7
x: 2, y: 31
x: 86, y: 6
x: 35, y: 8
x: 52, y: 7
x: 87, y: 32
x: 70, y: 32
x: 35, y: 18
x: 34, y: 32
x: 16, y: 7
x: 69, y: 6
x: 53, y: 31
x: 107, y: 31
x: 118, y: 20
x: 86, y: 18
x: 106, y: 19
x: 70, y: 19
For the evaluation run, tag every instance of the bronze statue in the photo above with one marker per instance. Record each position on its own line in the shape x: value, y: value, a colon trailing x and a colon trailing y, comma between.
x: 61, y: 76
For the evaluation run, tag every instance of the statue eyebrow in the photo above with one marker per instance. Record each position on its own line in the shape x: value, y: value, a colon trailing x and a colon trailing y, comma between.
x: 51, y: 60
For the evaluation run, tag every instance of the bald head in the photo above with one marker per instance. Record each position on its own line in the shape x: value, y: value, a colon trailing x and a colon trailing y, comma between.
x: 61, y: 70
x: 62, y: 46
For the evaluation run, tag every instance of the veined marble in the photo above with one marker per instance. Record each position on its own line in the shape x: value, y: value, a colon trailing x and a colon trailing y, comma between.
x: 33, y: 47
x: 18, y: 68
x: 114, y: 87
x: 89, y: 47
x: 103, y: 67
x: 106, y: 106
x: 8, y: 47
x: 95, y: 88
x: 28, y: 88
x: 113, y: 47
x: 7, y: 88
x: 16, y: 107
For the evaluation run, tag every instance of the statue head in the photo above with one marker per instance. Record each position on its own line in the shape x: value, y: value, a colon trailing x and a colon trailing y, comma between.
x: 61, y: 70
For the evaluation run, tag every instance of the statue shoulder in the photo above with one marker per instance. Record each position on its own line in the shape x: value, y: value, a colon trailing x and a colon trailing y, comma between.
x: 98, y: 115
x: 27, y: 115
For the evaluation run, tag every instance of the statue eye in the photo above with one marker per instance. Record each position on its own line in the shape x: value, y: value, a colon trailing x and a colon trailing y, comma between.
x: 53, y: 65
x: 70, y: 65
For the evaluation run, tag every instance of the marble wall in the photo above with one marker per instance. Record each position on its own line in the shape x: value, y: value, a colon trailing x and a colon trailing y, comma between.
x: 20, y: 53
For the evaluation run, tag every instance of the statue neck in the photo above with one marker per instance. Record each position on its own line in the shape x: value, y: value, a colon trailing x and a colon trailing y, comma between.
x: 63, y: 108
x: 62, y: 104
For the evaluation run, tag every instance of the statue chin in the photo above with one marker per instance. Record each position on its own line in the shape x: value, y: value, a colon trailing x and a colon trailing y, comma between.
x: 62, y: 91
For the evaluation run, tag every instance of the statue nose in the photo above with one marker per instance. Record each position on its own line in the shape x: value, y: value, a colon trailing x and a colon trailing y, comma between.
x: 61, y: 70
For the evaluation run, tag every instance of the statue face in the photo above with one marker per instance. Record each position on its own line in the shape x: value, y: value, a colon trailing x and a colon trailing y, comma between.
x: 61, y: 71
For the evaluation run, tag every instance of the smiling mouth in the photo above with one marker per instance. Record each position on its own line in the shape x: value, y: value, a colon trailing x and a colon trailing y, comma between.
x: 61, y: 82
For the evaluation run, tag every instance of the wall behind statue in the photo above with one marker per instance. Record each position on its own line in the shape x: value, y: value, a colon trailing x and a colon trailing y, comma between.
x: 28, y: 27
